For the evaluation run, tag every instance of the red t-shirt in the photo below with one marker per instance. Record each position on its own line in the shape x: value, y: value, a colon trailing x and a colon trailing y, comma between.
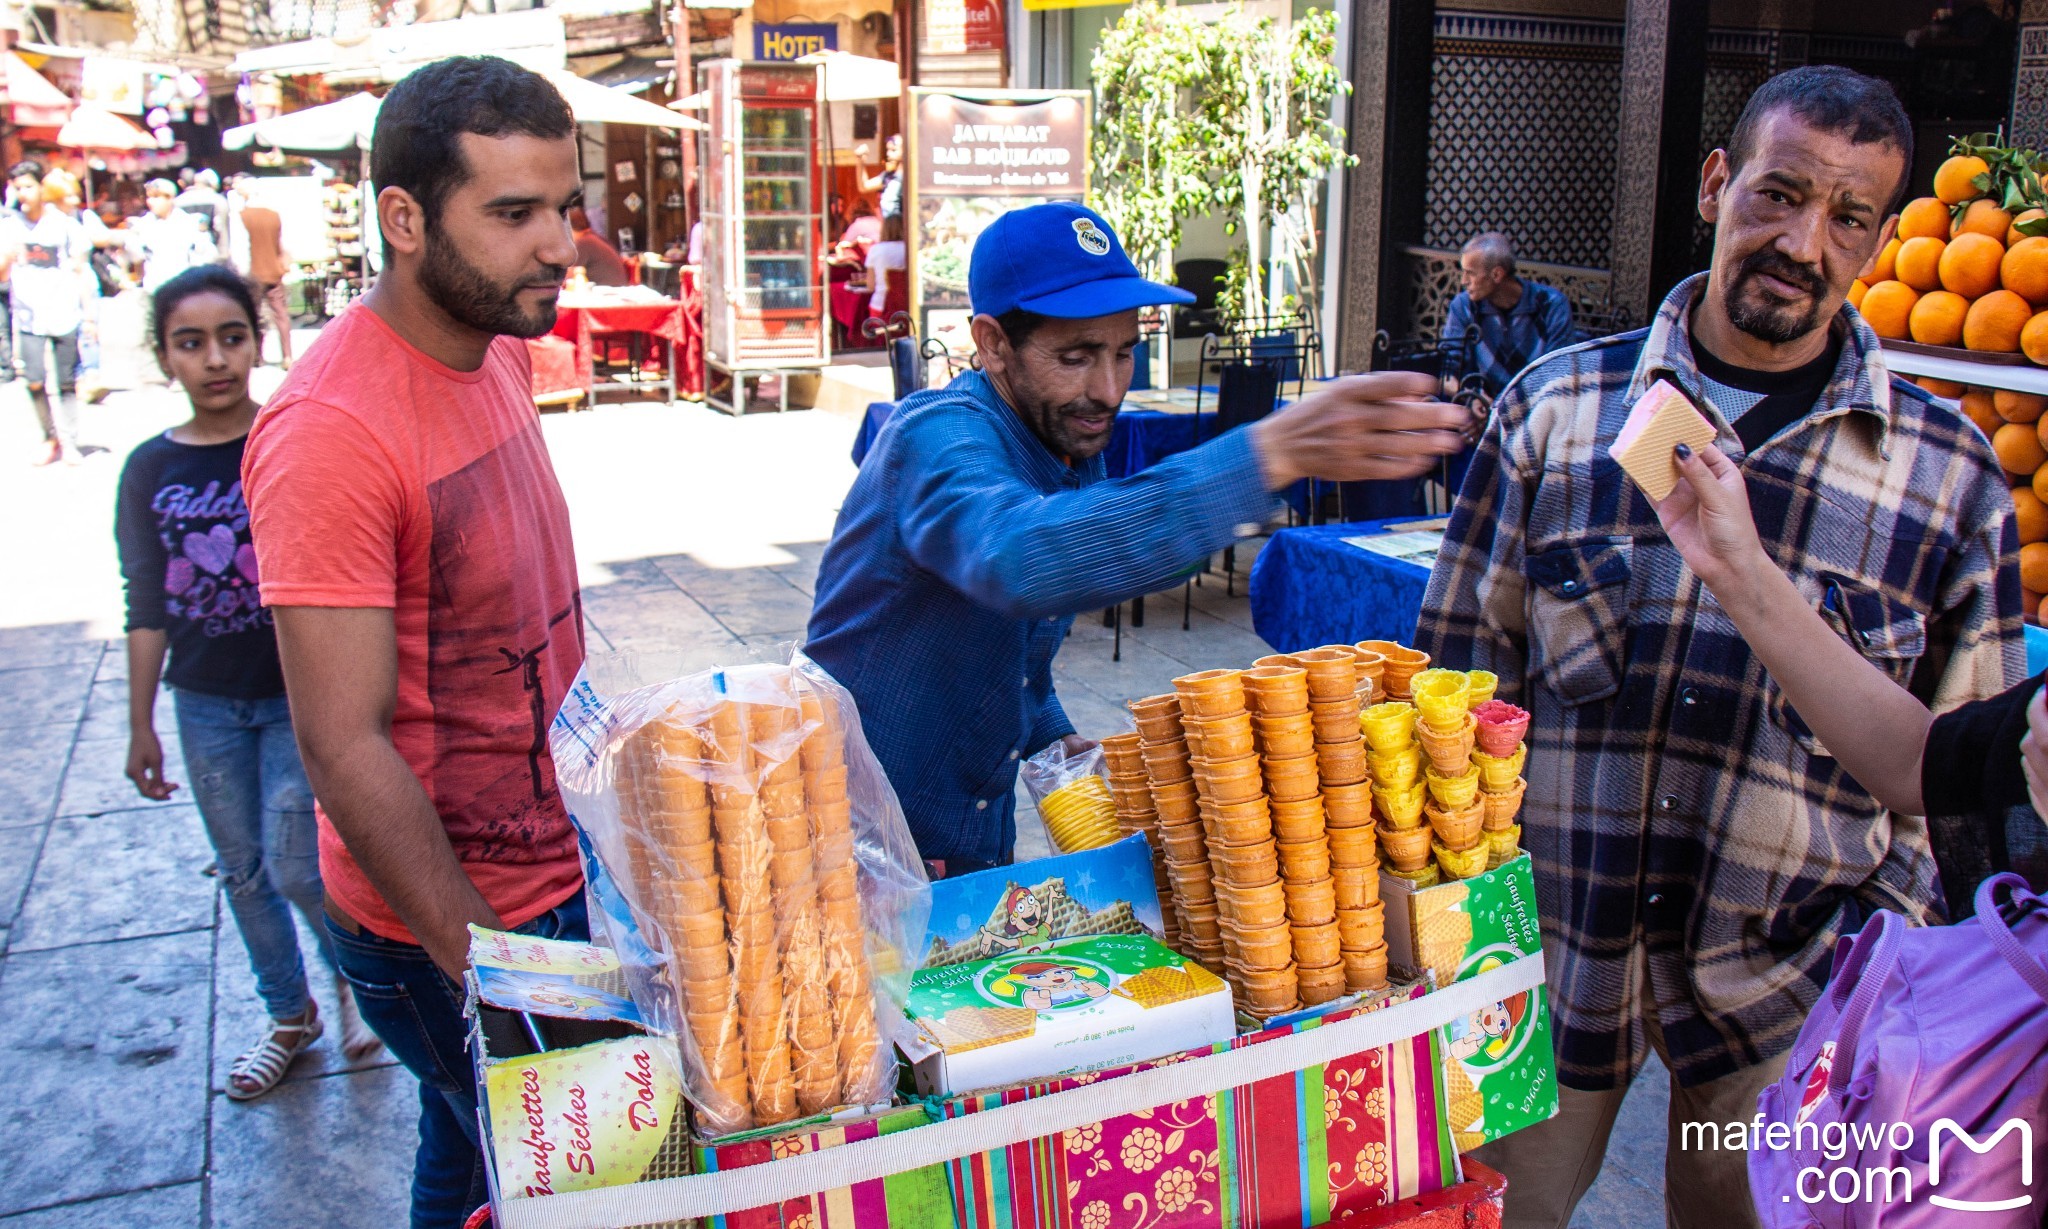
x: 379, y: 477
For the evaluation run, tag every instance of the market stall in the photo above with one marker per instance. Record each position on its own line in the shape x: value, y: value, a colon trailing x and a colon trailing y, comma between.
x: 1230, y: 967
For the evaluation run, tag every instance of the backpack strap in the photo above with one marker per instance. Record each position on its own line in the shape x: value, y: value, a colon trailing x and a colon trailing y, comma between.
x: 2003, y: 941
x: 1876, y: 949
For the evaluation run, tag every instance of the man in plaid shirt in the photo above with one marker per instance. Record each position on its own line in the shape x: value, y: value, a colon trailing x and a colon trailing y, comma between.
x: 1697, y: 853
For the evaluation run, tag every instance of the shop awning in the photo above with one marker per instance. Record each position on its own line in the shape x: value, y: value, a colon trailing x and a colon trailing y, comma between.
x: 94, y: 127
x: 349, y: 123
x: 33, y: 99
x: 331, y: 126
x: 532, y: 38
x: 856, y: 78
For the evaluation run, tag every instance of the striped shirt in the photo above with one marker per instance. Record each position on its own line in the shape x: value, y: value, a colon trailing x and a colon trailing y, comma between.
x: 1677, y: 806
x: 960, y: 558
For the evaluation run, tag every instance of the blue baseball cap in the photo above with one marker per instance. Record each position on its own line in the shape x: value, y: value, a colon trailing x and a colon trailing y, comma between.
x: 1059, y: 260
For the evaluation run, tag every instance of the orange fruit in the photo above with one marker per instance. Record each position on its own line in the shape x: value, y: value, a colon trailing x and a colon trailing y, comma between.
x: 1887, y: 259
x: 2041, y: 483
x: 2024, y: 270
x: 2019, y: 450
x: 1937, y: 318
x: 2034, y: 338
x: 1951, y: 389
x: 2012, y: 234
x: 1926, y: 217
x: 2034, y: 566
x: 2040, y: 612
x: 1977, y: 407
x: 1952, y: 178
x: 1857, y: 289
x: 2030, y: 605
x: 2030, y: 514
x: 1969, y: 264
x: 1984, y: 218
x: 1888, y: 307
x: 2018, y: 407
x: 1994, y: 323
x: 1920, y: 262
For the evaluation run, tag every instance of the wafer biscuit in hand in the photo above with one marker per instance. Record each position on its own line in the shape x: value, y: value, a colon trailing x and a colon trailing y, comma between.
x: 1660, y: 420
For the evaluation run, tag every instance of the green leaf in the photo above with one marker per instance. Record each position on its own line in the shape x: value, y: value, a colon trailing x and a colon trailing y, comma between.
x: 2032, y: 228
x: 1981, y: 182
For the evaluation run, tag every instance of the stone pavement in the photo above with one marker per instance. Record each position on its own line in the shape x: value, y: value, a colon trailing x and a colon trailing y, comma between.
x: 124, y: 990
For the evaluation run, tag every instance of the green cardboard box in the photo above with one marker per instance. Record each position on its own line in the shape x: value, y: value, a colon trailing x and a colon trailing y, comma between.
x: 1079, y: 1004
x: 1500, y: 1073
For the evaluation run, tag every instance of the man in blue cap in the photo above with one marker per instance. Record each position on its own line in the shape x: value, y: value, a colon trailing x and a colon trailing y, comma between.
x: 982, y: 520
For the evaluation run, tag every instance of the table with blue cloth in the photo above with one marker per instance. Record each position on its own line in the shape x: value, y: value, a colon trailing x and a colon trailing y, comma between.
x: 1310, y: 587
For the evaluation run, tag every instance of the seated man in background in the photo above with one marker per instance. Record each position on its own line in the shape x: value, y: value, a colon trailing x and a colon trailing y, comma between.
x: 1503, y: 322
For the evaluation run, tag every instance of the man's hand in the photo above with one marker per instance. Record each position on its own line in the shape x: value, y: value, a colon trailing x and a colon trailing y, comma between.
x: 1077, y: 745
x: 1707, y: 518
x: 1379, y: 426
x: 2034, y: 752
x: 146, y: 766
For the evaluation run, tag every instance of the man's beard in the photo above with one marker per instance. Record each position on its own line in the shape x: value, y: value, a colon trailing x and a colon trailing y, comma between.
x: 1764, y: 319
x: 1056, y: 430
x: 466, y: 293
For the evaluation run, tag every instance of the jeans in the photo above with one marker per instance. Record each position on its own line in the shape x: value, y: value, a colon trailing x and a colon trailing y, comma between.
x: 416, y: 1010
x: 258, y: 809
x: 61, y: 423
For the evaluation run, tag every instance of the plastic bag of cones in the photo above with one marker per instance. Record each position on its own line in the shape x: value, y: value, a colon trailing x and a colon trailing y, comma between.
x: 1072, y: 795
x: 1446, y: 765
x: 764, y: 860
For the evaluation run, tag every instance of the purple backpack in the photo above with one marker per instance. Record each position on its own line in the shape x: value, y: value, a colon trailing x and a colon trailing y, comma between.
x: 1917, y: 1092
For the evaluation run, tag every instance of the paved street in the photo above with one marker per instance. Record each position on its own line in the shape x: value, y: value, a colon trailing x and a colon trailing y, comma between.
x: 124, y: 990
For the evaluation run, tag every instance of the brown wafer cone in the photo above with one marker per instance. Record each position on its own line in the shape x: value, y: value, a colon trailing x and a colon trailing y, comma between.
x: 824, y: 745
x: 729, y: 741
x: 1450, y: 753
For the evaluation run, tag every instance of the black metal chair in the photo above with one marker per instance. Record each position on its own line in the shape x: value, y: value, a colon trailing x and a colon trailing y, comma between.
x: 906, y: 374
x: 1201, y: 278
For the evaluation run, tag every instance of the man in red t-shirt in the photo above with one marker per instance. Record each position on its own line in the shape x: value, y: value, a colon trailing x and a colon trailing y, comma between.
x: 414, y: 546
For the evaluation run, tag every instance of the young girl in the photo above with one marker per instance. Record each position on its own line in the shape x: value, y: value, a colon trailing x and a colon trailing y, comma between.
x: 183, y: 531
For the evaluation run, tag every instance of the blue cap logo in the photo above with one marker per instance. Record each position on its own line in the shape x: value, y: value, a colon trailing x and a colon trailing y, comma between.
x: 1092, y: 240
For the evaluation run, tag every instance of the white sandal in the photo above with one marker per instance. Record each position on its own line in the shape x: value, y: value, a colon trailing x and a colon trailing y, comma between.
x: 357, y: 1041
x: 264, y: 1064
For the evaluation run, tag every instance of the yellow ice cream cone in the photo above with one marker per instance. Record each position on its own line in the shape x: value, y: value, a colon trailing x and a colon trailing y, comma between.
x: 1389, y: 726
x: 1462, y: 863
x: 1427, y: 877
x: 1395, y: 769
x: 1503, y: 846
x: 1440, y: 698
x: 1400, y: 808
x: 1453, y: 792
x: 1483, y: 684
x: 1498, y: 773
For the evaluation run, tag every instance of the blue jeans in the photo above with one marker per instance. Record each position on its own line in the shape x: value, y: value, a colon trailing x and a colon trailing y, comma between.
x: 416, y: 1010
x: 258, y: 809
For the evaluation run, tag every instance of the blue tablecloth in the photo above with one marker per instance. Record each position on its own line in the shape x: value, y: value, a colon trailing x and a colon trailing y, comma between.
x: 1138, y: 440
x: 1309, y: 587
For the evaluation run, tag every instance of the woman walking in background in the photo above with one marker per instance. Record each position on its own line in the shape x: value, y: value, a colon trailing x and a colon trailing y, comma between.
x: 183, y: 530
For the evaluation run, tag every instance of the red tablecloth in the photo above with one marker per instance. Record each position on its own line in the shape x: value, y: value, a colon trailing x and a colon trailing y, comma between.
x: 557, y: 366
x: 679, y: 322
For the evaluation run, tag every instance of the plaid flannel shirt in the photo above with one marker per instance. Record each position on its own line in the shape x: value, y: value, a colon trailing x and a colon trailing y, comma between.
x: 1677, y: 807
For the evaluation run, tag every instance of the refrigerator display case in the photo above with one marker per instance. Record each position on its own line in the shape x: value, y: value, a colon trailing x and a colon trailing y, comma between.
x: 764, y: 298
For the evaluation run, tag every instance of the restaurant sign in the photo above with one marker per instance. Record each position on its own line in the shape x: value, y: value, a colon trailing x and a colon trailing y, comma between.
x: 1036, y: 147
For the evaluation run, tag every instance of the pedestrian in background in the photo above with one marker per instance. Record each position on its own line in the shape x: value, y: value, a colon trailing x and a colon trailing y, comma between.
x: 45, y: 251
x: 193, y: 598
x: 263, y: 230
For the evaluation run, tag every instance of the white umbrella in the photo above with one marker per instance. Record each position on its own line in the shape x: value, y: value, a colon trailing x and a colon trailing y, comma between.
x: 335, y: 125
x: 856, y: 78
x: 601, y: 104
x: 95, y: 127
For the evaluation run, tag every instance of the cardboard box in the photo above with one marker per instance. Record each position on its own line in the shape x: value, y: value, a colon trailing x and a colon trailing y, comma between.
x: 1080, y: 1004
x: 1500, y: 1072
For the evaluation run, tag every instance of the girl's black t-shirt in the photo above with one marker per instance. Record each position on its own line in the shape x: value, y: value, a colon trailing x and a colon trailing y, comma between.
x: 183, y: 531
x: 1972, y: 758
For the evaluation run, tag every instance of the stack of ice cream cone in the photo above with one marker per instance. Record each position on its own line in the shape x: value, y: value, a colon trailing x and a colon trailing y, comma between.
x: 1130, y: 791
x: 1182, y: 847
x: 1401, y: 665
x: 1499, y: 757
x: 1339, y: 680
x: 1258, y: 946
x: 1278, y: 696
x: 740, y: 848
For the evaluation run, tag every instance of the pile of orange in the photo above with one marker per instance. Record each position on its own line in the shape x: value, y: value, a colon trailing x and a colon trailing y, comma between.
x: 1959, y: 272
x: 2017, y: 426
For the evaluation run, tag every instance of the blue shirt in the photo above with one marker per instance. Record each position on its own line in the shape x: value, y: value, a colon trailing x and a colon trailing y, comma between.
x: 1507, y: 341
x: 960, y: 558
